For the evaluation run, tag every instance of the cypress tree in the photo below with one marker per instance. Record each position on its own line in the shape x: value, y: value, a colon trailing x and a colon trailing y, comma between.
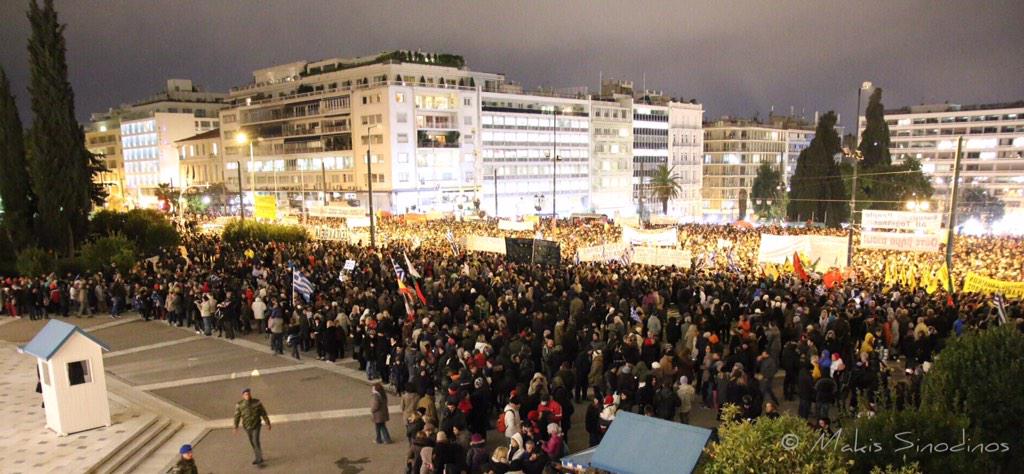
x: 816, y: 188
x: 874, y: 142
x: 60, y: 165
x: 15, y: 188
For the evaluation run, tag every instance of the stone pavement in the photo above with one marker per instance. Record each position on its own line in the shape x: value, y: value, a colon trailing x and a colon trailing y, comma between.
x: 26, y: 445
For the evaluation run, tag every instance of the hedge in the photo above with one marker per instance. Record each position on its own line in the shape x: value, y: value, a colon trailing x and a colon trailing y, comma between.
x: 249, y: 231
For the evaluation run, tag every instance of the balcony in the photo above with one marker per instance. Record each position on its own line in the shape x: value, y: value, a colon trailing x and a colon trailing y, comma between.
x: 426, y: 139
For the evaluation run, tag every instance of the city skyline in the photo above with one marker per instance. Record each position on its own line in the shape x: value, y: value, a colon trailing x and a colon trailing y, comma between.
x: 714, y: 57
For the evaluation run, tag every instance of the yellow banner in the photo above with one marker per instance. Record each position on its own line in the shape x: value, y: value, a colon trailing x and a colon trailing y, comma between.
x: 975, y: 283
x: 266, y: 207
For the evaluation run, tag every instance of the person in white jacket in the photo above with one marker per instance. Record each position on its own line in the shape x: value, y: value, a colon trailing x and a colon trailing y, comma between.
x: 259, y: 313
x: 512, y: 420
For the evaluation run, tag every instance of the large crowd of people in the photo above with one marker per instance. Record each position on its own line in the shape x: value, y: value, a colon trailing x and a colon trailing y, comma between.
x: 473, y: 343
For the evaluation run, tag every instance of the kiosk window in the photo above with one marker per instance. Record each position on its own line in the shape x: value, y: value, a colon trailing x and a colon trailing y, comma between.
x: 78, y: 372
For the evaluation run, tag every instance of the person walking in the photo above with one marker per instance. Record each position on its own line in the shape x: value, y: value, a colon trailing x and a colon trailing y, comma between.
x: 379, y: 411
x: 251, y: 414
x: 186, y: 463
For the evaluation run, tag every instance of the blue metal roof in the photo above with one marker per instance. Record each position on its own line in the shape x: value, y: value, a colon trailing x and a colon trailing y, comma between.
x: 637, y: 444
x: 580, y: 460
x: 50, y: 339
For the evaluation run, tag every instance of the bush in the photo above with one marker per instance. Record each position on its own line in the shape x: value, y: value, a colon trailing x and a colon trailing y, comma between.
x: 247, y: 231
x: 7, y: 256
x: 115, y: 252
x: 978, y: 376
x: 893, y: 430
x: 148, y: 229
x: 759, y: 447
x: 34, y: 261
x: 70, y: 266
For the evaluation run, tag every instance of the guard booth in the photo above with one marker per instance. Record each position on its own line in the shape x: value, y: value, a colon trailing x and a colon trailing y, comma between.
x: 70, y: 364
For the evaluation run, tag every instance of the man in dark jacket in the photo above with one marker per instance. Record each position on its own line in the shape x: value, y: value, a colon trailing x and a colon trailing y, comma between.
x: 805, y: 391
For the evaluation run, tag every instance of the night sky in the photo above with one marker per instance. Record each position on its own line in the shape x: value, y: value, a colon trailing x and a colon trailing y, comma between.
x: 735, y: 57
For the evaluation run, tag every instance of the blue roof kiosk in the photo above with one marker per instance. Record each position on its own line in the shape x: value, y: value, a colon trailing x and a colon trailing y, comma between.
x: 70, y: 363
x: 636, y: 444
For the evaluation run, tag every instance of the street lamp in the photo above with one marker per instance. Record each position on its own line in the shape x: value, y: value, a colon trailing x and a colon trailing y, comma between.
x: 369, y: 185
x: 241, y: 138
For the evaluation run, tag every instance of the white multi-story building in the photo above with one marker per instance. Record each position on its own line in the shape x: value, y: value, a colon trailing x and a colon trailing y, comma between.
x: 685, y: 150
x: 540, y: 148
x: 611, y: 162
x: 314, y: 126
x: 146, y: 131
x: 992, y: 152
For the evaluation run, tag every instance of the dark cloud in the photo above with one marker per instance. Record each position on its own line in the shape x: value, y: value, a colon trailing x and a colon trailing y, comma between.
x: 736, y: 57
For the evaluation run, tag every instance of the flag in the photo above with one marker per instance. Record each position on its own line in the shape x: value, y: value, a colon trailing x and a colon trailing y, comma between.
x: 301, y: 285
x: 450, y: 237
x: 798, y: 267
x: 412, y: 269
x: 400, y: 277
x: 627, y: 255
x: 943, y: 277
x: 419, y: 292
x: 998, y: 300
x: 832, y: 277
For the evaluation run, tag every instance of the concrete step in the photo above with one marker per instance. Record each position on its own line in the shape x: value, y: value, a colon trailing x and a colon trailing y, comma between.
x: 164, y: 457
x: 127, y: 449
x: 144, y: 453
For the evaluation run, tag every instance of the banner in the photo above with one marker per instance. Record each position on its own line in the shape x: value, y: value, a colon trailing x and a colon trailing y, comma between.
x: 899, y: 241
x: 334, y: 234
x: 601, y: 253
x: 354, y: 222
x: 320, y: 210
x: 479, y: 243
x: 663, y: 237
x: 826, y: 252
x: 724, y: 244
x: 662, y: 257
x: 975, y: 283
x: 266, y: 207
x: 901, y: 220
x: 513, y: 225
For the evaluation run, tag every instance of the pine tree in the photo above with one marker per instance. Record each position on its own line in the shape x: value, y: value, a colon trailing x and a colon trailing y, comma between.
x: 816, y: 190
x: 15, y: 188
x: 60, y: 165
x: 767, y: 188
x: 874, y: 142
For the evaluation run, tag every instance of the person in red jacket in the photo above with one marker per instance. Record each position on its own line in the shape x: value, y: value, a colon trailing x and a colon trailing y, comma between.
x: 551, y: 406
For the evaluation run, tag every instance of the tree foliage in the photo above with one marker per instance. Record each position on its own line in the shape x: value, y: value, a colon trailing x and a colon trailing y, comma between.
x: 888, y: 187
x: 60, y: 165
x: 817, y: 191
x: 35, y: 261
x: 894, y: 429
x: 111, y: 252
x: 768, y: 186
x: 874, y: 141
x: 665, y: 186
x: 15, y: 187
x: 978, y: 376
x: 981, y: 204
x: 758, y: 447
x: 148, y: 229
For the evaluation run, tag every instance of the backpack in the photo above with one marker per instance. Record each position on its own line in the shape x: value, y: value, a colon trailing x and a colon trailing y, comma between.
x: 501, y: 426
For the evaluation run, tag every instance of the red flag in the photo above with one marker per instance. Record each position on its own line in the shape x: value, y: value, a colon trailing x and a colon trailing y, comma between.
x: 832, y: 277
x: 419, y: 292
x: 798, y: 267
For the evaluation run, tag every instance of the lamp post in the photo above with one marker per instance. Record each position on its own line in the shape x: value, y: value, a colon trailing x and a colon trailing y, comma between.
x: 369, y: 186
x: 554, y: 161
x: 853, y: 191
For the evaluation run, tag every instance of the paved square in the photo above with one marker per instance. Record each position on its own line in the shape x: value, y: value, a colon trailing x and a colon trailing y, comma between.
x: 299, y: 391
x: 22, y: 330
x: 343, y: 445
x: 189, y: 359
x: 138, y: 333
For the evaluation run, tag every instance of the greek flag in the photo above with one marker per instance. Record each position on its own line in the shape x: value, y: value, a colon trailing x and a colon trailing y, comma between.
x: 627, y: 255
x: 399, y: 271
x: 1000, y: 307
x: 301, y: 285
x: 451, y: 241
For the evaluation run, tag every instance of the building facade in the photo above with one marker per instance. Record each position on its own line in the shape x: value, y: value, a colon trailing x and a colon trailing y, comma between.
x: 733, y: 151
x: 103, y: 139
x: 145, y: 131
x: 404, y: 123
x: 992, y: 152
x: 199, y: 160
x: 611, y: 164
x: 685, y: 152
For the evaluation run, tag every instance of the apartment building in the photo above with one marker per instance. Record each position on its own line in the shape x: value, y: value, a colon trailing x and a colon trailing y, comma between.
x: 685, y: 150
x: 992, y: 152
x: 733, y: 151
x: 145, y: 154
x: 611, y: 164
x: 540, y: 148
x: 404, y: 123
x: 199, y: 160
x: 103, y: 139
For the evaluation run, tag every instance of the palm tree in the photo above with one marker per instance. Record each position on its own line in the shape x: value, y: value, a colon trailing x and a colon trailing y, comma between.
x: 665, y: 185
x: 167, y: 194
